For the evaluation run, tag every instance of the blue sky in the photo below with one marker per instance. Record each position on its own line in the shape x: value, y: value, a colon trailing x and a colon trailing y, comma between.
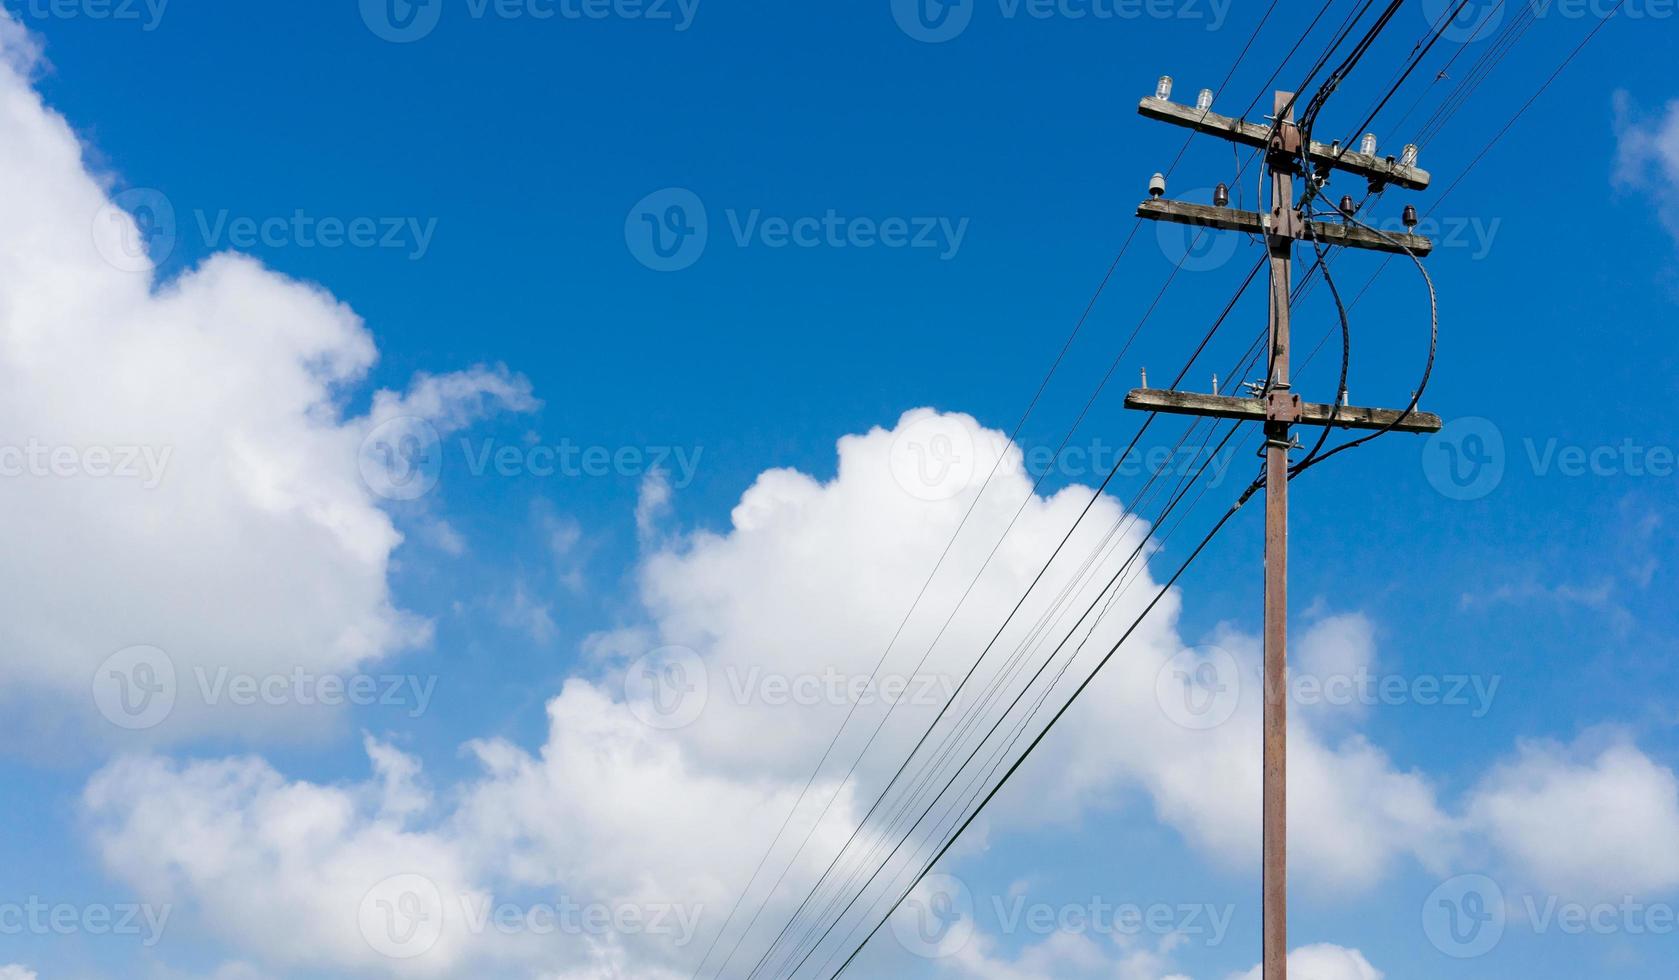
x: 500, y: 172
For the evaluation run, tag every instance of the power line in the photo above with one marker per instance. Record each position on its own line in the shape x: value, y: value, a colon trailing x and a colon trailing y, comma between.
x: 1407, y: 412
x: 1479, y: 71
x: 1418, y: 54
x: 1252, y: 354
x: 1428, y: 368
x: 935, y: 764
x: 915, y: 603
x: 1491, y: 143
x: 1513, y: 32
x: 1026, y: 722
x: 1317, y: 103
x: 1062, y: 711
x: 1113, y: 365
x: 1095, y: 496
x: 1129, y: 566
x: 1346, y: 353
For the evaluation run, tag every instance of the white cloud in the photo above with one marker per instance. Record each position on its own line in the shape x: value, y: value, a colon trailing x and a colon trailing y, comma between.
x: 267, y: 862
x: 1353, y: 814
x: 523, y: 611
x: 227, y: 971
x: 1061, y: 956
x: 1647, y: 157
x: 1069, y: 956
x: 443, y: 536
x: 812, y: 579
x: 608, y: 961
x: 263, y: 861
x: 1324, y: 962
x: 15, y: 972
x: 246, y: 538
x: 1588, y: 821
x: 1335, y: 646
x: 1593, y: 597
x: 591, y: 814
x: 653, y: 505
x: 20, y: 50
x: 566, y: 544
x: 259, y: 547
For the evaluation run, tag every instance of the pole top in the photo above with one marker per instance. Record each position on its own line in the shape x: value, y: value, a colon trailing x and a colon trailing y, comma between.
x: 1284, y: 103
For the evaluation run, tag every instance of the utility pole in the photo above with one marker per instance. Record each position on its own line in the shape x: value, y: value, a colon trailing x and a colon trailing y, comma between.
x: 1283, y: 409
x: 1277, y: 406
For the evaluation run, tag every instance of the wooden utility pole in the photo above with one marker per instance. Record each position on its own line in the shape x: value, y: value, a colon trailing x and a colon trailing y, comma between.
x: 1280, y: 409
x: 1283, y: 409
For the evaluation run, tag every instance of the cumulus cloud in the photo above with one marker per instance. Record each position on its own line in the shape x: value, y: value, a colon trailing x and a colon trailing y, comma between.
x: 266, y: 861
x: 514, y: 875
x: 1353, y: 813
x: 1067, y: 956
x: 1534, y: 807
x: 1323, y: 962
x: 657, y: 786
x: 15, y: 972
x: 254, y: 542
x: 1062, y: 956
x: 182, y: 449
x: 1335, y: 646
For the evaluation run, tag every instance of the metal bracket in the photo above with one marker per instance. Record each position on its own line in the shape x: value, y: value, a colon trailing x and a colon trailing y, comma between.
x: 1283, y: 406
x: 1286, y: 137
x: 1285, y: 223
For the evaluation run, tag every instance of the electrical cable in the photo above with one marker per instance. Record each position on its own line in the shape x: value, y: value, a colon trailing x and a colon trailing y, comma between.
x: 1346, y: 357
x: 1011, y: 669
x: 1416, y: 59
x: 1315, y: 107
x: 1496, y: 139
x: 1251, y: 355
x: 1094, y: 497
x: 1060, y: 713
x: 1428, y: 368
x: 1351, y: 61
x: 915, y: 603
x: 959, y: 769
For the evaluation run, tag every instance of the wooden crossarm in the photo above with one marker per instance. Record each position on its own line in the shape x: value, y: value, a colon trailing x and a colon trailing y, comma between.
x: 1383, y: 169
x: 1253, y: 410
x: 1252, y: 222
